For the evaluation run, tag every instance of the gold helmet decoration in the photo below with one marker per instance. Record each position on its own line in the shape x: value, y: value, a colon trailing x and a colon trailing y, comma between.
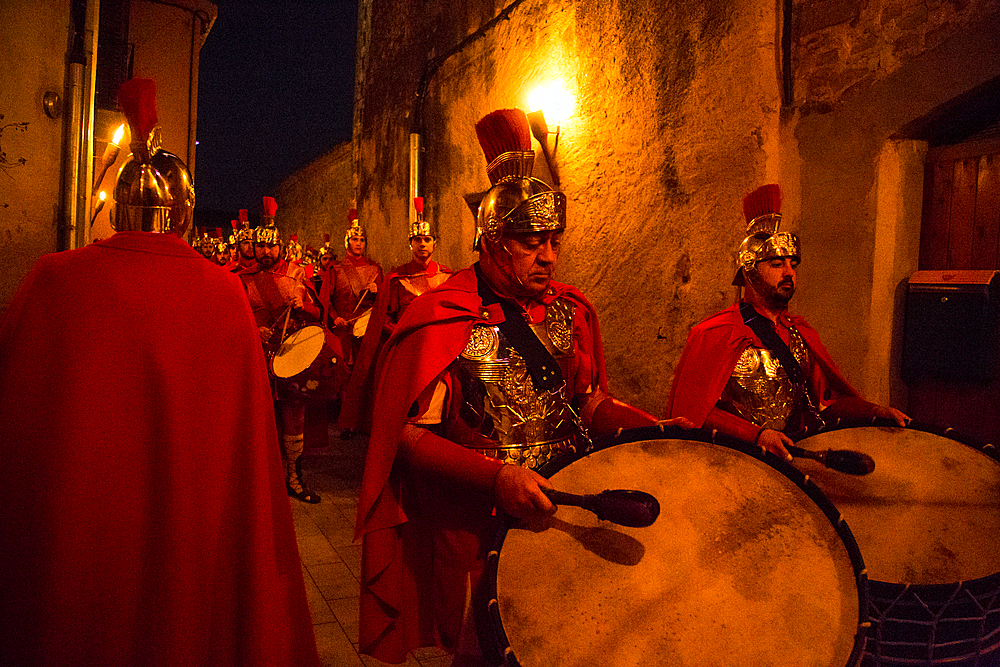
x: 517, y: 203
x: 268, y: 232
x: 204, y: 244
x: 762, y: 212
x: 355, y: 228
x: 221, y: 244
x: 421, y: 227
x: 244, y: 233
x: 293, y: 252
x: 235, y: 224
x: 326, y: 249
x: 154, y: 191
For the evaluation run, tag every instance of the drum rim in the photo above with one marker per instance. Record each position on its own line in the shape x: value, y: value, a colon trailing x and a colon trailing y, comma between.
x: 491, y: 628
x: 883, y: 590
x: 948, y: 432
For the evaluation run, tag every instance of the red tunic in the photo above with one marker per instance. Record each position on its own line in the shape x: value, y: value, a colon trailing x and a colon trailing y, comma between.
x: 713, y: 348
x: 423, y: 541
x: 143, y: 518
x: 403, y: 284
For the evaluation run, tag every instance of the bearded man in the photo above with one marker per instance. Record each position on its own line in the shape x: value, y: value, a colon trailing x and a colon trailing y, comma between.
x: 403, y: 284
x: 142, y: 518
x: 754, y: 371
x: 484, y: 378
x: 281, y: 302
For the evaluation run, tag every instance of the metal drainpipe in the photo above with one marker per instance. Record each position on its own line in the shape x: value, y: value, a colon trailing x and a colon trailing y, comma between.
x: 76, y: 61
x: 430, y: 67
x: 85, y: 182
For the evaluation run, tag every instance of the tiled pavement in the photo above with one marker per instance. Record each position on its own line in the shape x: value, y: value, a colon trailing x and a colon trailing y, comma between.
x: 331, y: 560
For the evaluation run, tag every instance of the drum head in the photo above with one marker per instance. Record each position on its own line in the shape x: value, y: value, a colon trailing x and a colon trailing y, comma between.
x: 928, y: 514
x: 298, y: 351
x: 360, y: 325
x: 740, y: 568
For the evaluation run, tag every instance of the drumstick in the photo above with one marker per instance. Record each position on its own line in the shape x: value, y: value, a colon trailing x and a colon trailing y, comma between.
x: 624, y: 507
x: 841, y: 460
x: 360, y: 299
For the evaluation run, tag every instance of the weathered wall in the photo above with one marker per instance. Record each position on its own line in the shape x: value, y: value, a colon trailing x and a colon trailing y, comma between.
x: 34, y: 39
x: 679, y: 114
x: 315, y: 200
x: 653, y: 162
x: 883, y: 70
x: 33, y: 44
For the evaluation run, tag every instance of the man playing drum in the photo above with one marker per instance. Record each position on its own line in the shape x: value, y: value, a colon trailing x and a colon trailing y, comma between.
x: 403, y: 284
x: 351, y: 292
x: 731, y: 375
x: 491, y: 374
x: 279, y: 298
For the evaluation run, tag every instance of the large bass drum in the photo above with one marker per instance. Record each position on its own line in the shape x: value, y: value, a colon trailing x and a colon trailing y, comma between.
x: 747, y: 564
x: 927, y: 521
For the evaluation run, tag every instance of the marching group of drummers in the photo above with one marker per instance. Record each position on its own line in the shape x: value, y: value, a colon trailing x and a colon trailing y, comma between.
x: 486, y: 399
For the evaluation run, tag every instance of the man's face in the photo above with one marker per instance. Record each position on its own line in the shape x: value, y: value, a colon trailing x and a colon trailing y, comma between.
x: 531, y: 261
x: 422, y: 247
x: 246, y: 250
x: 776, y: 280
x: 222, y: 256
x: 266, y: 254
x: 356, y: 245
x: 324, y: 261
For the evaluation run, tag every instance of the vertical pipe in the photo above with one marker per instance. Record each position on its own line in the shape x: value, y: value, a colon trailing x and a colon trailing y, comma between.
x: 415, y: 147
x: 84, y: 194
x: 76, y: 60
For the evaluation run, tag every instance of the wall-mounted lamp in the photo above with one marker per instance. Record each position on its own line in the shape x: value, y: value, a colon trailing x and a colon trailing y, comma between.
x: 100, y: 205
x: 554, y: 102
x: 108, y: 159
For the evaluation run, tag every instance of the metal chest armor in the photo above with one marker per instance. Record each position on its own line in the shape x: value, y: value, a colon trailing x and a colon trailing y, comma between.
x: 528, y: 427
x: 760, y: 391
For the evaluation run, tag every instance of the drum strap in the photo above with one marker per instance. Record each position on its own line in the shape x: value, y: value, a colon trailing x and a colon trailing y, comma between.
x: 543, y: 367
x: 769, y: 337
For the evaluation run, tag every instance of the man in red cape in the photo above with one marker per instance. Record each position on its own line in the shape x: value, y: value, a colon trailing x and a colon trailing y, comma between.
x: 729, y: 380
x: 465, y: 412
x: 352, y: 290
x: 144, y: 519
x: 403, y: 284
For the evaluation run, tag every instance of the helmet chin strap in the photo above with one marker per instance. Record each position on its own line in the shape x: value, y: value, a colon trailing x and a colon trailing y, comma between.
x: 506, y: 267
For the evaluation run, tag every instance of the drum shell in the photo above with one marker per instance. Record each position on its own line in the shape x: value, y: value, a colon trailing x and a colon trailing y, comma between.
x: 321, y: 380
x: 491, y: 622
x: 917, y: 618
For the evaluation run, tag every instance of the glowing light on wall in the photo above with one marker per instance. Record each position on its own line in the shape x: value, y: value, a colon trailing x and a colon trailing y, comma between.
x: 554, y: 100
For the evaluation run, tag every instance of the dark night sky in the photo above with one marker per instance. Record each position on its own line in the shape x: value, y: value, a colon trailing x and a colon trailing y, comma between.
x: 275, y: 91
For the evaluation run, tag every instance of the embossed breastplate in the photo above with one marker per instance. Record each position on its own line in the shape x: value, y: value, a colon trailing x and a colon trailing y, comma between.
x: 760, y: 391
x: 528, y: 427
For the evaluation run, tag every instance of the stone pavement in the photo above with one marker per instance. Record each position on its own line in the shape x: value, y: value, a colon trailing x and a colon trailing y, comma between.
x: 331, y: 559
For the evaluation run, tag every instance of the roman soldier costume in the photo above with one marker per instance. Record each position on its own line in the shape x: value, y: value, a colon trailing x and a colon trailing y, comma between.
x: 489, y: 381
x: 143, y: 520
x: 730, y: 376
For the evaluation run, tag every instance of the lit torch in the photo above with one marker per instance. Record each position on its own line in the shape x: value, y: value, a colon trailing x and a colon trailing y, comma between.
x: 108, y: 159
x: 100, y: 205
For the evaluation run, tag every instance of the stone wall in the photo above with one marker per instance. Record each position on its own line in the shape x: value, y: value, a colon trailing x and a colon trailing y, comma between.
x: 679, y: 114
x: 315, y: 200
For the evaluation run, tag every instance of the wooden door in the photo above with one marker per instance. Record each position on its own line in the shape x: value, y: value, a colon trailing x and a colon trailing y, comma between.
x: 960, y: 230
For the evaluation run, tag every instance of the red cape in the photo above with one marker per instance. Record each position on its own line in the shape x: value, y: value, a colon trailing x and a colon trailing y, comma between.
x: 395, y: 614
x: 143, y: 517
x: 713, y: 348
x: 356, y: 410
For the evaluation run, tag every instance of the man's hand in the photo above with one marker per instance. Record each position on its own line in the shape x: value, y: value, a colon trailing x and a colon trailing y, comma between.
x: 265, y: 333
x: 372, y: 287
x: 774, y: 442
x: 892, y: 413
x: 295, y: 301
x: 339, y: 322
x: 683, y: 422
x: 518, y: 493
